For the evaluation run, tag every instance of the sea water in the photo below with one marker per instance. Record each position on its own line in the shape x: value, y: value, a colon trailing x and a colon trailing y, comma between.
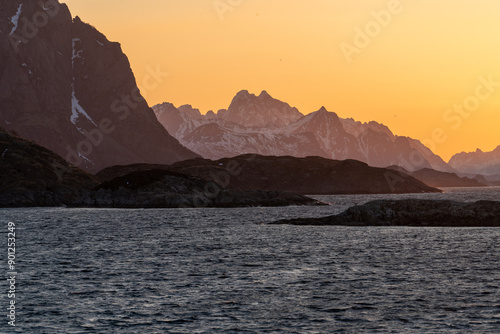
x: 227, y: 271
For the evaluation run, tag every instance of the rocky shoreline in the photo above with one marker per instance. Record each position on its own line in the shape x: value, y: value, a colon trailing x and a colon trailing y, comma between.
x: 411, y: 212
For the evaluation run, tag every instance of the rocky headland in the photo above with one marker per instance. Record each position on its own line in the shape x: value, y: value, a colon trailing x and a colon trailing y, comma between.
x: 411, y: 212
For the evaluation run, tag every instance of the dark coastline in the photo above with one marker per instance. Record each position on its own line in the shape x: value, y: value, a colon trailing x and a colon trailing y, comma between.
x: 411, y: 212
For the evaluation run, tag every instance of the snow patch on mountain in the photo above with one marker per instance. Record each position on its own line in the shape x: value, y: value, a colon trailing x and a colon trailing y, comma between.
x: 15, y: 19
x: 84, y: 157
x: 77, y: 110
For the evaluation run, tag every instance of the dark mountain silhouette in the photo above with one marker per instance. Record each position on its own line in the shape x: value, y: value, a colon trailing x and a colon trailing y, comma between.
x: 438, y: 179
x: 311, y: 175
x: 31, y: 175
x: 66, y: 87
x: 160, y: 188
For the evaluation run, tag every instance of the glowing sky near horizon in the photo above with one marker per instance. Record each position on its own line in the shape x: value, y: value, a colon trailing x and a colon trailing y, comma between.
x: 413, y: 74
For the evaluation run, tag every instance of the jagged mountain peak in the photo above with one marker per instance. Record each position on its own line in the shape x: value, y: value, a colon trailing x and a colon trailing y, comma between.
x: 187, y: 106
x: 260, y: 111
x: 356, y: 128
x: 164, y: 108
x: 323, y: 115
x: 167, y: 104
x: 190, y: 111
x: 264, y: 95
x: 210, y: 114
x: 245, y: 94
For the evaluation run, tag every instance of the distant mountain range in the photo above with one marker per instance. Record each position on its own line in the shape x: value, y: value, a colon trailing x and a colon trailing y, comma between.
x: 266, y: 126
x: 479, y: 162
x: 438, y: 179
x: 66, y: 87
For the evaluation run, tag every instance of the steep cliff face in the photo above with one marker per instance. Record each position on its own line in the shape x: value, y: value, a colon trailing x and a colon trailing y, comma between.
x: 66, y: 87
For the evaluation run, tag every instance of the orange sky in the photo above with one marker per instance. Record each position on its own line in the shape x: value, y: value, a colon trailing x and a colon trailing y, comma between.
x: 413, y: 69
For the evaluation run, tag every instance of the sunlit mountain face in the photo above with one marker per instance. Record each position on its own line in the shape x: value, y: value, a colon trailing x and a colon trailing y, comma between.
x: 267, y: 126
